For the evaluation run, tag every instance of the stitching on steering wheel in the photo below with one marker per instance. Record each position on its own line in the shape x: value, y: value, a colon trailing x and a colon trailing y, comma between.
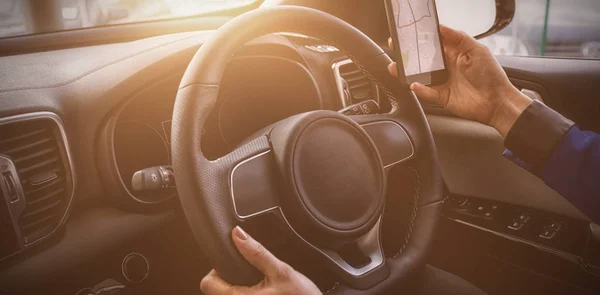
x: 413, y: 215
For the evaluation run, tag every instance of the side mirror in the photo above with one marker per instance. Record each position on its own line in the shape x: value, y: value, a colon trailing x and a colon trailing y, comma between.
x: 478, y: 18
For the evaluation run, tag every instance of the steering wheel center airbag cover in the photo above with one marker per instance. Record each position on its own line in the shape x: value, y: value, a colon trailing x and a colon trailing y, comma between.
x: 335, y: 176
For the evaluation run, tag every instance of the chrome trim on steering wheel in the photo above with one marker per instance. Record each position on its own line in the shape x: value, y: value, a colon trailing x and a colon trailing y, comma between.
x: 231, y: 187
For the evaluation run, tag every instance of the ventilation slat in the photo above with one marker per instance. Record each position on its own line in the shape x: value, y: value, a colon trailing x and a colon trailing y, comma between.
x: 34, y: 155
x: 360, y: 85
x: 356, y: 79
x: 30, y: 225
x: 28, y: 146
x: 39, y: 232
x: 41, y: 210
x: 36, y: 189
x: 26, y: 170
x: 350, y: 73
x: 46, y: 197
x: 22, y: 136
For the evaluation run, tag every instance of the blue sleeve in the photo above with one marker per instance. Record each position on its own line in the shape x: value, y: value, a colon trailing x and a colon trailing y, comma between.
x: 572, y: 170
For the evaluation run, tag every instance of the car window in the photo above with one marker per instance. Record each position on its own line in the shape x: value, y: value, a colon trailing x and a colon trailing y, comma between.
x: 552, y: 28
x: 16, y: 18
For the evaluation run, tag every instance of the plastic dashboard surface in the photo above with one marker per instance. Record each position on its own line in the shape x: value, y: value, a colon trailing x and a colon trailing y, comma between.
x: 89, y: 86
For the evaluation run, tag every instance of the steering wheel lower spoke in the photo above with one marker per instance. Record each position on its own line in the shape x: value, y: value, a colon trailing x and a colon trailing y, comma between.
x: 364, y: 274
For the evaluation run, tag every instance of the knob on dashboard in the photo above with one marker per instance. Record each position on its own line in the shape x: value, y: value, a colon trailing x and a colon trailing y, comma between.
x: 135, y: 268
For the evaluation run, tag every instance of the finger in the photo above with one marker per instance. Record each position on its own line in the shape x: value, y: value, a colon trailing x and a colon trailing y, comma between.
x: 393, y: 69
x: 457, y: 41
x: 427, y: 93
x: 390, y: 43
x: 213, y: 284
x: 257, y: 254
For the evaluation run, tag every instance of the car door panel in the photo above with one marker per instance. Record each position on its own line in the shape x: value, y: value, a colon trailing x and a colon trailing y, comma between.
x: 472, y: 165
x: 477, y: 174
x: 471, y: 153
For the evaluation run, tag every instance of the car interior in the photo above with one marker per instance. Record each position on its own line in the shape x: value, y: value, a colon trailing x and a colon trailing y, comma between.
x: 128, y: 152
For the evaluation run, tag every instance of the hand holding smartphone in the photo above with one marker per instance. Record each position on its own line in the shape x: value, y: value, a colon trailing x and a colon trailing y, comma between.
x: 418, y: 48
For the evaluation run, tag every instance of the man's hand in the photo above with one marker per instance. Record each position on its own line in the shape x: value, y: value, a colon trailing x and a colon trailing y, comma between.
x: 280, y: 278
x: 477, y: 88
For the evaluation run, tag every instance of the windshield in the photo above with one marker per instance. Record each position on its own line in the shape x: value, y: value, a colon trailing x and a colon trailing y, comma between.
x: 23, y: 17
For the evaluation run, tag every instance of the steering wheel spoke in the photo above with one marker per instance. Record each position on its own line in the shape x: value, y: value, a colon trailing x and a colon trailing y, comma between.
x: 252, y: 178
x: 390, y: 137
x: 365, y: 274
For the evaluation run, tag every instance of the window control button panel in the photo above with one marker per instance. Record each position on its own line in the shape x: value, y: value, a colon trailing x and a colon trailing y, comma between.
x: 529, y: 224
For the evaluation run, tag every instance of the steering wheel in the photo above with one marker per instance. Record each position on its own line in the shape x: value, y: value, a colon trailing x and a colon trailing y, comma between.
x: 323, y: 173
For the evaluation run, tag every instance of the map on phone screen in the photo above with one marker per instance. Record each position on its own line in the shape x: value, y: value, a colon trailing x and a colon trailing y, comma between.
x: 416, y: 24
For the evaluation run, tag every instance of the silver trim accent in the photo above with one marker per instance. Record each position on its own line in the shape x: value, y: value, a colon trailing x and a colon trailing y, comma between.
x: 54, y: 117
x: 409, y: 140
x: 340, y: 86
x: 231, y: 187
x: 370, y: 245
x: 123, y: 267
x: 370, y: 242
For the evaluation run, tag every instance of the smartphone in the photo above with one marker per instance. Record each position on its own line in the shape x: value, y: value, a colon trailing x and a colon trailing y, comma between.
x: 418, y: 48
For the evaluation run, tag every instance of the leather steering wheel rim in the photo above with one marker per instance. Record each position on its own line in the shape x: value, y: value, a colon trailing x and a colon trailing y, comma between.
x: 203, y: 185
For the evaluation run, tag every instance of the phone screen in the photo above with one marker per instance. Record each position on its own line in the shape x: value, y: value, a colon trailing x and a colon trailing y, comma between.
x: 418, y: 36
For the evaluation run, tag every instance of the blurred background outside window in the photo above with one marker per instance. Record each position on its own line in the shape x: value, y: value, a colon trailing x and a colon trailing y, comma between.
x: 77, y: 14
x: 556, y: 28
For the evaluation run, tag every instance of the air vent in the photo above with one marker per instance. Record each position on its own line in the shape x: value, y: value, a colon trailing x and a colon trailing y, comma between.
x: 354, y: 86
x: 37, y: 149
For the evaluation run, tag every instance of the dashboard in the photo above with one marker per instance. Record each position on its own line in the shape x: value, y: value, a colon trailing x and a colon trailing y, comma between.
x: 114, y: 111
x: 264, y: 83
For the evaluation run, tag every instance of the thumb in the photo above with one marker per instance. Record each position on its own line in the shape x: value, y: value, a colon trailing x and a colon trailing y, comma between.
x: 256, y: 253
x: 427, y: 93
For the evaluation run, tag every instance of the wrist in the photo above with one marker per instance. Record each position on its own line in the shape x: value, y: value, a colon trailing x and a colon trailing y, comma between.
x: 509, y: 110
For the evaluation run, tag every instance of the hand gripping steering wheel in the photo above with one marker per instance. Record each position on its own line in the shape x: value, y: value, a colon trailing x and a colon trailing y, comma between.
x: 323, y: 173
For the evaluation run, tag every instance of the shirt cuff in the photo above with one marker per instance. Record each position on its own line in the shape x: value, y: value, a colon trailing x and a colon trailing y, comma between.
x: 536, y: 133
